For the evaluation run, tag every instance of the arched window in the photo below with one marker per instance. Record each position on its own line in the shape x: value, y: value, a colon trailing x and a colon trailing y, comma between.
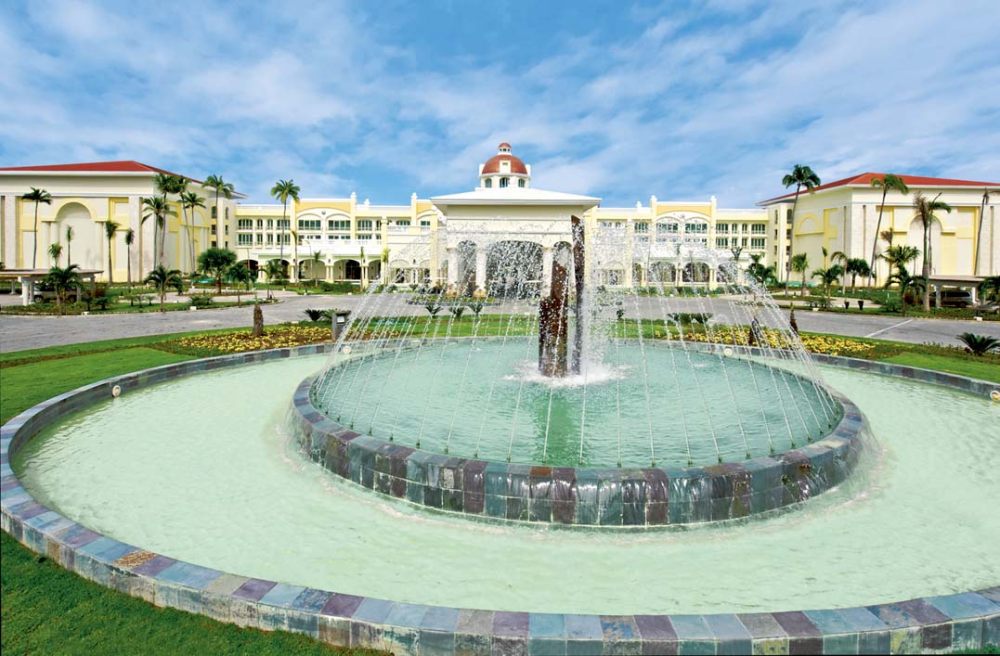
x: 489, y: 183
x: 520, y: 183
x: 504, y: 183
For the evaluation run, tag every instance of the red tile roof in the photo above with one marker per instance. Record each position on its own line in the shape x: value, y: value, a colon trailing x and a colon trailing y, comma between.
x: 117, y: 166
x: 865, y: 180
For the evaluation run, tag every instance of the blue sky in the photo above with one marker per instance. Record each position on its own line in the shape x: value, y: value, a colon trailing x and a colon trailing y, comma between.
x: 678, y: 100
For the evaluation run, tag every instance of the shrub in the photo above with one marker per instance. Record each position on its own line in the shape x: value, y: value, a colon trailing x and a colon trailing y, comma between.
x: 688, y: 318
x: 314, y: 315
x: 978, y: 344
x: 892, y: 304
x: 433, y: 308
x: 201, y: 300
x: 457, y: 310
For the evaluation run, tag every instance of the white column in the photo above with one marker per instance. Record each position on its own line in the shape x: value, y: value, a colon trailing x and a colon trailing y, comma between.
x: 547, y: 255
x: 480, y: 267
x: 9, y: 231
x: 452, y: 266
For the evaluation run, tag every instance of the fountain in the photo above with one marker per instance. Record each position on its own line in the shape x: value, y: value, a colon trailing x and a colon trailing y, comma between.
x: 671, y: 400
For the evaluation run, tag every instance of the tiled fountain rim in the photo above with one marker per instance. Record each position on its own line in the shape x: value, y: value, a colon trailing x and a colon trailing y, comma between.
x: 631, y: 497
x: 958, y: 621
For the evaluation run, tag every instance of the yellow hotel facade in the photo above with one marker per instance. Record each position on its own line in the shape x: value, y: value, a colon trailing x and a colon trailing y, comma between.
x: 448, y: 238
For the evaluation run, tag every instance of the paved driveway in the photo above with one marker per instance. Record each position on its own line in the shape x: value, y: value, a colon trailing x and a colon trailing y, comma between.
x: 21, y: 332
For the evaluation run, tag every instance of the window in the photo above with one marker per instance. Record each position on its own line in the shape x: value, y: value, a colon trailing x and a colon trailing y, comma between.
x: 520, y: 183
x: 722, y: 228
x: 260, y: 224
x: 270, y: 238
x: 504, y: 183
x: 642, y: 227
x: 260, y: 239
x: 425, y: 223
x: 214, y: 229
x: 365, y: 224
x: 757, y: 243
x: 671, y: 227
x: 244, y: 240
x: 310, y: 224
x: 339, y: 224
x: 284, y: 224
x: 227, y: 214
x: 403, y: 223
x: 244, y: 224
x: 696, y: 228
x: 270, y: 224
x: 758, y: 229
x: 489, y: 183
x: 215, y: 212
x: 743, y: 228
x: 722, y: 242
x: 227, y: 229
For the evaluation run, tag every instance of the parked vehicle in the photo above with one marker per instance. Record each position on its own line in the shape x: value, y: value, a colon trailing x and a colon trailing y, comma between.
x: 956, y: 298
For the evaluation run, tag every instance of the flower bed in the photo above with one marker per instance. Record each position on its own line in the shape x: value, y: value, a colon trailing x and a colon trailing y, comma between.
x: 240, y: 342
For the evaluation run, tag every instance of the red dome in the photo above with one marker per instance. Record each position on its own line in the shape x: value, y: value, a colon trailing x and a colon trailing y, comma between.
x: 492, y: 165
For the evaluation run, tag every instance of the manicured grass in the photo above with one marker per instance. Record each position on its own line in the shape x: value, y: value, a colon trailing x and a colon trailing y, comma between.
x: 981, y: 369
x: 23, y: 386
x: 48, y: 610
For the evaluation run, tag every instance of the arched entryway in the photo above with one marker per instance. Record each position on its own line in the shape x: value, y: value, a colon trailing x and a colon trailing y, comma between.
x: 513, y: 268
x: 84, y: 249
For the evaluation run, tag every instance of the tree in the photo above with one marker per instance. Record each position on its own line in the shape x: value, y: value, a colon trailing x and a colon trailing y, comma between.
x: 906, y: 283
x: 240, y: 274
x: 165, y: 184
x: 838, y: 257
x: 800, y: 264
x: 216, y: 262
x: 828, y: 276
x: 37, y: 196
x: 924, y: 210
x: 110, y: 228
x: 989, y: 288
x: 900, y: 257
x: 764, y: 275
x: 158, y: 209
x: 69, y: 245
x: 189, y: 201
x: 802, y: 177
x: 224, y: 189
x: 856, y: 266
x: 282, y: 191
x: 275, y: 271
x: 162, y: 279
x: 62, y: 281
x: 55, y: 250
x: 886, y: 183
x: 979, y: 229
x: 129, y: 240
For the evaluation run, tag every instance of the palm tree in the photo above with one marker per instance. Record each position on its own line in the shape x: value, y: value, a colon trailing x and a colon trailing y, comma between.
x: 899, y: 257
x: 274, y: 270
x: 924, y: 210
x: 800, y: 264
x: 216, y: 262
x: 166, y: 184
x: 762, y: 274
x: 37, y: 196
x: 802, y: 177
x: 886, y: 183
x: 163, y: 279
x: 55, y: 250
x: 295, y: 254
x: 69, y: 245
x: 189, y: 201
x: 282, y: 191
x: 906, y: 283
x: 62, y: 281
x: 240, y: 274
x: 989, y: 288
x: 110, y: 228
x: 129, y: 240
x: 156, y: 208
x: 979, y: 344
x: 828, y: 276
x: 225, y: 190
x: 856, y: 266
x: 979, y: 229
x: 317, y: 259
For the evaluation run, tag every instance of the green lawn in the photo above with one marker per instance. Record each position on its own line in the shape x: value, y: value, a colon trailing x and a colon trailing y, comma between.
x: 982, y: 369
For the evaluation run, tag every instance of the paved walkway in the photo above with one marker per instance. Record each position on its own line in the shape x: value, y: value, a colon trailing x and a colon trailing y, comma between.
x: 24, y: 332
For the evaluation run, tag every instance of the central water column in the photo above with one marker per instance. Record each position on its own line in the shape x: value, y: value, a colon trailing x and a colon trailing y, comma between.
x: 553, y: 313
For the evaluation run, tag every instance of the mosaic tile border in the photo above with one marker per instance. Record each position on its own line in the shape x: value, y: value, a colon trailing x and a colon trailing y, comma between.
x: 589, y: 496
x: 966, y: 620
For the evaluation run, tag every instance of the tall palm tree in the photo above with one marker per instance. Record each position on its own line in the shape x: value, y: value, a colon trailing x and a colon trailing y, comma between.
x: 163, y: 279
x: 37, y: 196
x: 924, y: 210
x: 317, y: 259
x: 839, y: 257
x: 129, y: 240
x: 69, y: 245
x: 829, y: 276
x: 189, y: 201
x: 55, y: 250
x: 295, y: 253
x: 157, y: 208
x: 979, y: 230
x: 906, y: 283
x: 900, y: 257
x: 800, y: 264
x: 110, y: 228
x: 886, y: 183
x: 282, y: 191
x: 167, y: 184
x: 62, y: 281
x: 225, y: 190
x: 802, y: 177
